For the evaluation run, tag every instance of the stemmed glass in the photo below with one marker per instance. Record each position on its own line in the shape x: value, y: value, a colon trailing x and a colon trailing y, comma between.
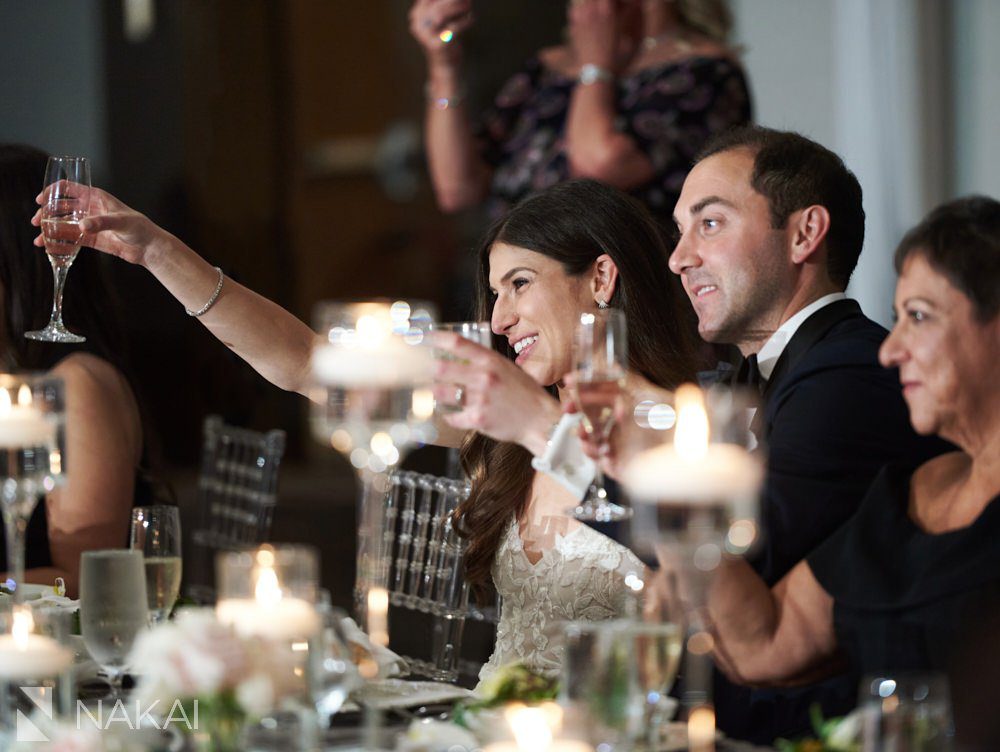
x: 332, y: 674
x: 600, y: 363
x: 156, y: 532
x: 112, y: 608
x: 67, y: 202
x: 32, y: 458
x: 372, y: 370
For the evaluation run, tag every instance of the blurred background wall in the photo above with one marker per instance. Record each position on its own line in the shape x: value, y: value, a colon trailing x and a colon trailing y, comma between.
x: 281, y: 139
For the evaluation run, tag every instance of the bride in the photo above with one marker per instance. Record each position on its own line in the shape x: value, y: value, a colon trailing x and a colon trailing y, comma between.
x: 575, y: 247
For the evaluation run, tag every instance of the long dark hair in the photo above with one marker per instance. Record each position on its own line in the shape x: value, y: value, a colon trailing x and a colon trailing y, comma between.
x: 574, y: 223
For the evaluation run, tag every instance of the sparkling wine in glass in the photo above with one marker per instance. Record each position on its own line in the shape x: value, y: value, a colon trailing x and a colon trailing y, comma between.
x: 600, y: 355
x: 112, y: 608
x: 67, y: 202
x: 156, y: 532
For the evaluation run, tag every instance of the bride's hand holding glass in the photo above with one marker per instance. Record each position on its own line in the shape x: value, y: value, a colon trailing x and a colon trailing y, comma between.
x: 497, y: 398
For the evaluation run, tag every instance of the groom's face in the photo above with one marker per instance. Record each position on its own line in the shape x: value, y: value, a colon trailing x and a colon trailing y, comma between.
x: 734, y: 265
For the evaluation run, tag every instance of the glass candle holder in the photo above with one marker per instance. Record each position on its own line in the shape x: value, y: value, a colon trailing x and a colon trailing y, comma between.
x: 270, y: 591
x: 32, y: 457
x: 36, y: 668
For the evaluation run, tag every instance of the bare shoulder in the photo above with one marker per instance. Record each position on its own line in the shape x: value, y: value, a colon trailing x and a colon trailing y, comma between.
x: 85, y: 372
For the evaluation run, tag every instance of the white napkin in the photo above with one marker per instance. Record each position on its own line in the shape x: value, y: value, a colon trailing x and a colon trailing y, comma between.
x: 389, y: 664
x: 55, y: 601
x: 564, y: 460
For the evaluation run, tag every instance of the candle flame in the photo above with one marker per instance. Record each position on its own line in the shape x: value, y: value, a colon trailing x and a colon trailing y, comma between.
x: 701, y: 727
x: 423, y: 403
x: 691, y: 433
x: 267, y: 591
x: 5, y: 405
x: 24, y: 396
x: 23, y: 623
x: 378, y: 616
x: 533, y: 726
x: 373, y: 329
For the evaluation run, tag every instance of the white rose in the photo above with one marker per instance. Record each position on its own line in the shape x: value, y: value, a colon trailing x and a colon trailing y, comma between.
x: 256, y: 694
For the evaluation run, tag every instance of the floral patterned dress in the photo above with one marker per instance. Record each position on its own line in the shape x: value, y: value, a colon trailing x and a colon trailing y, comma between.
x: 581, y: 578
x: 669, y: 110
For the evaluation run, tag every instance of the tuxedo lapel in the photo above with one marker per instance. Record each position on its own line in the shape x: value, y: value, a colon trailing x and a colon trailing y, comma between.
x: 812, y: 330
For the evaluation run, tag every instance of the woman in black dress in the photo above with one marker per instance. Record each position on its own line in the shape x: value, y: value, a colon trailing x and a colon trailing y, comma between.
x: 900, y: 585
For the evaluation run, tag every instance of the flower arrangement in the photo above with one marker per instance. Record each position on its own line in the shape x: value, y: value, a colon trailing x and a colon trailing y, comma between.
x: 832, y: 735
x: 205, y: 664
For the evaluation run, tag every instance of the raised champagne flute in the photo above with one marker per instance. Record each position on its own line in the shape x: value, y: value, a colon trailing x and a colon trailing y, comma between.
x: 67, y: 203
x: 112, y: 608
x: 156, y: 532
x: 600, y: 361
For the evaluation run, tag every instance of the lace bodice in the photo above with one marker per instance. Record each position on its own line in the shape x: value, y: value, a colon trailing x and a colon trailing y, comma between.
x: 581, y: 577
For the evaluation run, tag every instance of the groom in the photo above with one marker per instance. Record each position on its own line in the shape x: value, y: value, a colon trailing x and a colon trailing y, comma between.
x: 770, y: 227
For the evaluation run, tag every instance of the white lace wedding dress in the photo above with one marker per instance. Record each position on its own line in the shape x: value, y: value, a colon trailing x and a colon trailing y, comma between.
x: 581, y: 577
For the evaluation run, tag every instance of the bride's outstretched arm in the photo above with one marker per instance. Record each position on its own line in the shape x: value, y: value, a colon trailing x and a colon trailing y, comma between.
x: 273, y: 341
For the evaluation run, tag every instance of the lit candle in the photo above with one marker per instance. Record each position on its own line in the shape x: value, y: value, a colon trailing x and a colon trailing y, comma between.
x: 24, y: 655
x: 271, y: 612
x: 692, y: 469
x: 374, y: 354
x: 535, y: 729
x: 21, y: 425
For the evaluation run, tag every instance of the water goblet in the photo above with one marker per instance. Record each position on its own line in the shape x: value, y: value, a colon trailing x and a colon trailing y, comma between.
x: 156, y: 532
x: 112, y: 608
x: 600, y: 363
x: 67, y: 203
x: 332, y: 674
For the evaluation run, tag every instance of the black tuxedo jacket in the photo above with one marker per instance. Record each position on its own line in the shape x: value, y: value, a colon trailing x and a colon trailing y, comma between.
x: 831, y: 418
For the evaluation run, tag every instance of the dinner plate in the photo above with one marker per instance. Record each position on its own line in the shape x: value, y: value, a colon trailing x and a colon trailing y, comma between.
x: 400, y: 693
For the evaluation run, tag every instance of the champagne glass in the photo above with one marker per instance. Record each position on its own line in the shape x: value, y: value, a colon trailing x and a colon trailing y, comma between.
x: 67, y: 188
x: 32, y: 437
x: 600, y: 355
x: 112, y: 608
x: 156, y: 532
x: 372, y: 373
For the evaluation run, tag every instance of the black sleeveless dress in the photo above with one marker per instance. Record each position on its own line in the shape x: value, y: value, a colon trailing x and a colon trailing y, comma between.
x: 905, y: 599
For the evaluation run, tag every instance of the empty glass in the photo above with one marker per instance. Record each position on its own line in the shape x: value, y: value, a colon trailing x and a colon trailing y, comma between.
x: 156, y: 532
x: 332, y: 673
x: 112, y: 608
x: 909, y: 712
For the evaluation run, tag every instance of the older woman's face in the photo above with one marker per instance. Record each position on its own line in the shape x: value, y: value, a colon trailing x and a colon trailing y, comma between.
x: 536, y: 307
x: 947, y: 359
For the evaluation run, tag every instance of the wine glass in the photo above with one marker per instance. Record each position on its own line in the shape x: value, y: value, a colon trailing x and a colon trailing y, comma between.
x: 67, y: 202
x: 332, y: 673
x: 372, y: 399
x: 156, y: 532
x: 32, y: 457
x: 112, y: 608
x: 600, y: 363
x: 479, y: 332
x: 908, y: 712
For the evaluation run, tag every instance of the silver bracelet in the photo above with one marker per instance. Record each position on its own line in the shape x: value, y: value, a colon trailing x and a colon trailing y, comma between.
x: 211, y: 300
x: 444, y: 103
x: 591, y: 74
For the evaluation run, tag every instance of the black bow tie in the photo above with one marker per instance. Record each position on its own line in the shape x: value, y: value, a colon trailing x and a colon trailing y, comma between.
x: 748, y: 375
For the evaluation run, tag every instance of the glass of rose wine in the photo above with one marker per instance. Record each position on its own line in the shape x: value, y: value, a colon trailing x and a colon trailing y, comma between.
x: 600, y: 363
x: 67, y: 202
x: 156, y: 532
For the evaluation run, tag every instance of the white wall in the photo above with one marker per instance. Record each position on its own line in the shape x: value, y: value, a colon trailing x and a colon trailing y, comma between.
x: 976, y: 102
x: 906, y: 91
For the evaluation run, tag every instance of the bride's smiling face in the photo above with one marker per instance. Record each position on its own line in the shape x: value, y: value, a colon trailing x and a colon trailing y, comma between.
x: 536, y: 307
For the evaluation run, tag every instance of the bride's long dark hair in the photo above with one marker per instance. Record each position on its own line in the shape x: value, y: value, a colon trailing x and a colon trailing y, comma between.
x: 574, y: 223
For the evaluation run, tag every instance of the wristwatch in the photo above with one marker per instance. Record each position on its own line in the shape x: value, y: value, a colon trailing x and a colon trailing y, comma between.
x: 591, y: 74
